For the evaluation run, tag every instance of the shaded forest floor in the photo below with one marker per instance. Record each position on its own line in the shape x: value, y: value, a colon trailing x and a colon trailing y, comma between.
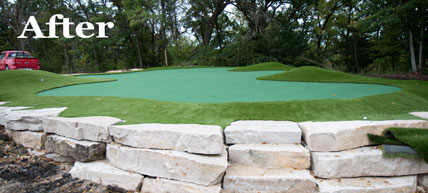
x: 22, y: 172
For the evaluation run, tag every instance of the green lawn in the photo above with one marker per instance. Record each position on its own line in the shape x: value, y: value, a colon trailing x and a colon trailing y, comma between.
x: 21, y: 87
x: 264, y: 67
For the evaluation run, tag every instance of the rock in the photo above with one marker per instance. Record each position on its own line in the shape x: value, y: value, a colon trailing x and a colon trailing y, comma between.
x: 5, y: 110
x: 422, y: 115
x: 365, y: 161
x: 368, y: 185
x: 81, y: 128
x: 60, y: 158
x: 36, y: 152
x: 199, y: 169
x: 423, y: 180
x: 82, y: 151
x: 420, y: 189
x: 270, y: 156
x: 202, y: 139
x: 30, y: 119
x: 343, y: 135
x: 29, y: 139
x: 102, y: 172
x: 244, y: 179
x: 270, y: 132
x: 160, y: 185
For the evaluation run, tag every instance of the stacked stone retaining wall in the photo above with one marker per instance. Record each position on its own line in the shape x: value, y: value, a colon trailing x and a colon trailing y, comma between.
x: 247, y: 157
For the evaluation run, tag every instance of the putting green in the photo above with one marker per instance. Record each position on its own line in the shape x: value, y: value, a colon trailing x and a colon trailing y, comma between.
x: 215, y: 85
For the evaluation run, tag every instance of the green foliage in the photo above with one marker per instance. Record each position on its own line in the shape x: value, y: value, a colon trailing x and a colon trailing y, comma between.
x: 353, y: 36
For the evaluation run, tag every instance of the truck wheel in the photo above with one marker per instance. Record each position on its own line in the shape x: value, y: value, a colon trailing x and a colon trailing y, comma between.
x: 7, y: 67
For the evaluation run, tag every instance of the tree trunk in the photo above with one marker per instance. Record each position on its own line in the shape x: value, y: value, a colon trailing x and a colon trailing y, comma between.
x: 221, y: 4
x: 218, y: 36
x: 139, y: 49
x: 67, y: 57
x: 421, y: 42
x: 163, y: 32
x: 22, y: 44
x: 94, y: 41
x: 154, y: 62
x: 97, y: 63
x: 45, y: 52
x: 176, y: 30
x: 166, y: 55
x: 324, y: 25
x: 412, y: 52
x: 355, y: 54
x: 74, y: 47
x: 319, y: 38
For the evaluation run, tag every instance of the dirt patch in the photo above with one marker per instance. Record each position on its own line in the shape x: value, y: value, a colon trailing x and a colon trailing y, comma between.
x: 21, y: 172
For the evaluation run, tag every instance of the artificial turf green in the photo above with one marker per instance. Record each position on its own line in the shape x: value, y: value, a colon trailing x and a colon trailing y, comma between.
x: 216, y: 85
x: 21, y: 88
x: 267, y: 66
x: 415, y: 138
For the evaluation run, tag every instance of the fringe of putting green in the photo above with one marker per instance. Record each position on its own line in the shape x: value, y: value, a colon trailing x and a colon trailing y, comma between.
x: 386, y: 139
x: 399, y: 154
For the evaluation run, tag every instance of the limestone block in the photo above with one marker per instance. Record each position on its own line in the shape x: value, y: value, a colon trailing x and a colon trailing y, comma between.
x: 244, y: 179
x: 368, y: 185
x: 104, y: 173
x: 423, y: 180
x: 35, y: 140
x: 270, y: 156
x: 269, y: 132
x: 199, y: 169
x: 344, y: 135
x: 59, y: 158
x: 5, y: 110
x: 365, y: 161
x: 80, y: 128
x: 30, y: 119
x: 202, y: 139
x: 83, y: 151
x: 160, y: 185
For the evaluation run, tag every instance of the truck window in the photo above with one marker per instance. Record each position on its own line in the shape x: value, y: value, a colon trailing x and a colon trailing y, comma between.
x: 2, y: 55
x: 19, y: 55
x: 26, y: 55
x: 12, y: 55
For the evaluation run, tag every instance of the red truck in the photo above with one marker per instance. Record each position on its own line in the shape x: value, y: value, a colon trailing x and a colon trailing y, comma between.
x: 14, y: 60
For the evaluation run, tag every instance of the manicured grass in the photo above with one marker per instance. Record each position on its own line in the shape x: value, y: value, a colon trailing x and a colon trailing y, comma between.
x: 416, y: 138
x: 315, y: 74
x: 21, y: 88
x: 264, y: 67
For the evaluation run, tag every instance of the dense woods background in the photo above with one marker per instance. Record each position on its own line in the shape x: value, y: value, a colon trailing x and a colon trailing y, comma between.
x: 365, y: 36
